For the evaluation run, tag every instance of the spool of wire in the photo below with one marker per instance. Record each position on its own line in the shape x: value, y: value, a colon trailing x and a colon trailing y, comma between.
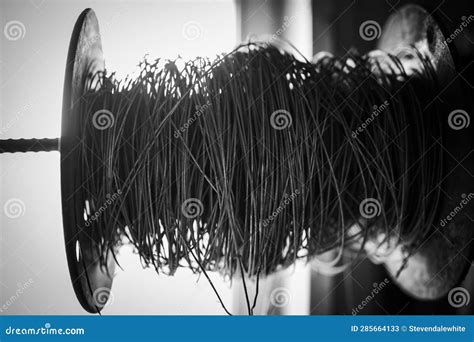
x: 246, y: 163
x: 257, y: 159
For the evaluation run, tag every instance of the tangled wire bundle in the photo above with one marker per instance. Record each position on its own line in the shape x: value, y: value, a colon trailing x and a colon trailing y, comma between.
x: 256, y: 159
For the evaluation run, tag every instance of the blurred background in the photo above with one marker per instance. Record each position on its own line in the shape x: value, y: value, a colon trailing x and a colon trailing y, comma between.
x: 33, y: 270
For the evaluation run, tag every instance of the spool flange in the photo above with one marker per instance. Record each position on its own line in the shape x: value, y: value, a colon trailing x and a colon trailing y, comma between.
x: 91, y: 281
x: 443, y: 259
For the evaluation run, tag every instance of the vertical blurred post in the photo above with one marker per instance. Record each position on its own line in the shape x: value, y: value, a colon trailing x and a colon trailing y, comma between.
x: 291, y: 21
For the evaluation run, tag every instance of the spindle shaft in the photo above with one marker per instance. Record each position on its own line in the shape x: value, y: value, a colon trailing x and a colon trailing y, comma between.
x: 29, y: 145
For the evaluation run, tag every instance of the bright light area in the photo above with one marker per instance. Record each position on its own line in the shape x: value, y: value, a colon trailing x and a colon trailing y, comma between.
x: 31, y: 96
x: 166, y: 29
